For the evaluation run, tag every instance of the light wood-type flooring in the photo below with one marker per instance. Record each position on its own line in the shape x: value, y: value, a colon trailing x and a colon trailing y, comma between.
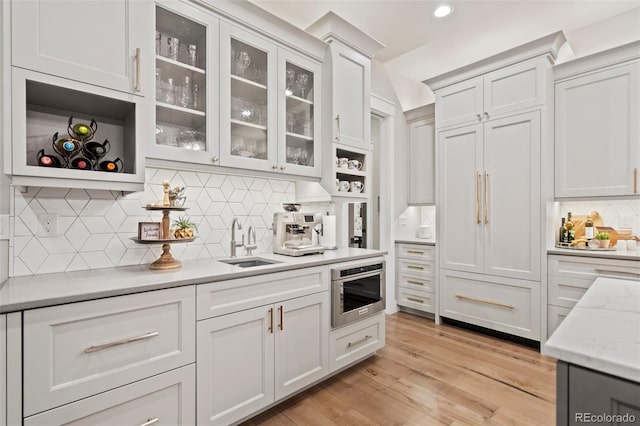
x: 430, y: 375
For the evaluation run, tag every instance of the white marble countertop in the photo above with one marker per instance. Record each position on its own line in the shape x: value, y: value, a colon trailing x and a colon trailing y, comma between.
x: 416, y: 240
x: 602, y: 332
x: 36, y: 291
x: 608, y: 254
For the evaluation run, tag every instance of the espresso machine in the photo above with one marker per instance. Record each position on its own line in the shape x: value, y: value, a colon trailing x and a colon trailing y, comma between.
x: 296, y: 234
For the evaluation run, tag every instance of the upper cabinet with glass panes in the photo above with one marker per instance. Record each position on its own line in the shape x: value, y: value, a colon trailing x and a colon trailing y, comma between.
x: 186, y: 76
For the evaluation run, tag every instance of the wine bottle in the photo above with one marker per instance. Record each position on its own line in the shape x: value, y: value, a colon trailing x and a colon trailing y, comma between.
x: 571, y: 229
x: 563, y: 235
x: 588, y: 228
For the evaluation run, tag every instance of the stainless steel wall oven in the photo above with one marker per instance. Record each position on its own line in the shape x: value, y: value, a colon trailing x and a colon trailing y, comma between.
x: 357, y: 291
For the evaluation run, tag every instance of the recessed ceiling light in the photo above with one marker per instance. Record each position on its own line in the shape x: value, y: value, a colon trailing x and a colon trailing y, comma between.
x: 442, y: 11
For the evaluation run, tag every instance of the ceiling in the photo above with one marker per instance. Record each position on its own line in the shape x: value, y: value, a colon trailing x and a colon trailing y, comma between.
x: 420, y: 46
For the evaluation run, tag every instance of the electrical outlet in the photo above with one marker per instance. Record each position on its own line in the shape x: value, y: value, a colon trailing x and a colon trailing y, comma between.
x: 626, y: 221
x: 48, y: 225
x: 402, y: 220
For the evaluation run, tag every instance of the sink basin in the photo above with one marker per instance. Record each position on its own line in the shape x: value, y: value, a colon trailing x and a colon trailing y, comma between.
x: 249, y: 262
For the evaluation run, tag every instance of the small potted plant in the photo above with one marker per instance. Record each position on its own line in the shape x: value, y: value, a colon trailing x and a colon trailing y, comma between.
x: 184, y: 228
x: 604, y: 239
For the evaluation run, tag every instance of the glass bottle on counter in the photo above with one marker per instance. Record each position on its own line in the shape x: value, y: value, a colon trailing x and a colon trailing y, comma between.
x: 588, y: 229
x: 563, y: 234
x: 571, y: 229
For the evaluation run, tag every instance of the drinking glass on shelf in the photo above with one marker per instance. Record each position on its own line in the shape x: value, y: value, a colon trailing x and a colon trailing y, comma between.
x: 169, y: 91
x: 191, y: 55
x: 241, y: 61
x: 159, y: 89
x: 158, y: 42
x: 173, y: 44
x: 185, y: 98
x: 290, y: 80
x: 196, y: 97
x: 302, y: 83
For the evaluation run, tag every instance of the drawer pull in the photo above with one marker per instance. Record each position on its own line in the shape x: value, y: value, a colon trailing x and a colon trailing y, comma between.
x: 120, y: 342
x: 415, y: 282
x: 612, y: 271
x: 150, y: 422
x: 357, y: 342
x: 415, y: 252
x: 271, y: 320
x: 488, y: 302
x: 137, y: 88
x: 415, y: 300
x: 415, y: 267
x: 281, y: 317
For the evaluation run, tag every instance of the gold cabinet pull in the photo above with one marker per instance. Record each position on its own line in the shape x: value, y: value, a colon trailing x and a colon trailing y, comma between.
x: 415, y: 267
x: 150, y: 422
x: 357, y: 342
x: 281, y: 318
x: 486, y: 302
x: 635, y: 180
x: 137, y: 88
x: 486, y: 197
x: 613, y: 271
x: 415, y: 282
x: 120, y: 342
x: 415, y: 252
x: 415, y: 300
x: 271, y: 320
x: 478, y: 198
x: 338, y: 124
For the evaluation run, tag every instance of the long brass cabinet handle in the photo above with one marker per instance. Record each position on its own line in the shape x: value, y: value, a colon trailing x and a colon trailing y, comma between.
x: 415, y: 282
x: 271, y: 320
x: 137, y: 88
x: 486, y: 198
x: 415, y: 267
x: 338, y: 124
x: 478, y: 198
x: 150, y: 422
x: 357, y: 342
x: 415, y: 300
x: 120, y: 342
x: 415, y: 252
x: 486, y: 302
x: 613, y: 271
x: 635, y: 180
x: 281, y: 318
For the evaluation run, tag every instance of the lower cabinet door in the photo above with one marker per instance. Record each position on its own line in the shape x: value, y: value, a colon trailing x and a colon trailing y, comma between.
x: 235, y: 365
x: 166, y: 399
x: 355, y: 341
x: 302, y: 342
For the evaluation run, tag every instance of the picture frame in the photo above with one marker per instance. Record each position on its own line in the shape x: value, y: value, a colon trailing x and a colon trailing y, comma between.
x: 149, y: 231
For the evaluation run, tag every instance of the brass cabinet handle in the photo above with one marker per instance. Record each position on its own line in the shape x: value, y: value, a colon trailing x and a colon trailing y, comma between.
x: 137, y: 88
x: 357, y: 342
x: 415, y: 282
x: 281, y: 318
x: 274, y: 167
x: 282, y: 167
x: 479, y: 117
x: 150, y: 422
x: 415, y: 267
x: 120, y: 342
x: 415, y: 252
x: 478, y: 198
x: 486, y: 302
x: 415, y: 300
x: 271, y: 320
x: 486, y: 197
x: 635, y: 180
x: 613, y: 271
x: 486, y: 115
x: 338, y: 124
x: 215, y: 159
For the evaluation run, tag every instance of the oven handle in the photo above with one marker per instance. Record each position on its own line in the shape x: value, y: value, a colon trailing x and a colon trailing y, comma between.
x: 380, y: 272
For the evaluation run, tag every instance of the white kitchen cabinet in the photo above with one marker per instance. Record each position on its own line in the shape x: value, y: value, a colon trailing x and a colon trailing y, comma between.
x: 41, y: 107
x: 503, y: 91
x: 416, y: 277
x: 77, y: 350
x: 597, y: 133
x: 3, y: 370
x: 166, y: 399
x: 249, y: 359
x: 490, y: 183
x: 106, y: 44
x: 186, y: 98
x: 355, y: 341
x: 421, y: 177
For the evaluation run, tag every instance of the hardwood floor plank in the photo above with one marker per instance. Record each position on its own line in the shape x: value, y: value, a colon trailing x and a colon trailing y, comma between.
x: 430, y: 374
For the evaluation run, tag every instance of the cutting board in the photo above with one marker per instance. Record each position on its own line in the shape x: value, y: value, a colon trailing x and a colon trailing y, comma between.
x: 579, y: 220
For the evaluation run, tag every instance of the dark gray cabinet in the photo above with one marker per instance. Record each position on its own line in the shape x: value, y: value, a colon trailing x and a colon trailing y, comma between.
x: 588, y: 396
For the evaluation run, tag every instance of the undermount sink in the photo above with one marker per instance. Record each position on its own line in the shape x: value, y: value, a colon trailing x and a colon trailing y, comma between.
x: 249, y: 262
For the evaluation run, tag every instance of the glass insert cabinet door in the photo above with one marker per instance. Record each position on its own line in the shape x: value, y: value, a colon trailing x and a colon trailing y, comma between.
x: 299, y: 131
x: 248, y: 100
x: 184, y: 48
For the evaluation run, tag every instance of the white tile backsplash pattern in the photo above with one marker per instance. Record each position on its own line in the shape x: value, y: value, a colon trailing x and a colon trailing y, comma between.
x: 95, y: 227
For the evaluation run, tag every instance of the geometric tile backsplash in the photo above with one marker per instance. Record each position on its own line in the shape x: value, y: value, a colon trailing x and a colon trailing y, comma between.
x: 95, y: 227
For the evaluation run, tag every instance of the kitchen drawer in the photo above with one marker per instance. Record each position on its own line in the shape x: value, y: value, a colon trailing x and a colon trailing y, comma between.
x: 420, y: 300
x: 224, y: 297
x: 418, y: 283
x: 503, y: 304
x: 77, y: 350
x: 415, y: 267
x: 349, y: 344
x: 166, y: 399
x: 591, y: 268
x: 555, y: 315
x: 414, y: 251
x: 566, y: 291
